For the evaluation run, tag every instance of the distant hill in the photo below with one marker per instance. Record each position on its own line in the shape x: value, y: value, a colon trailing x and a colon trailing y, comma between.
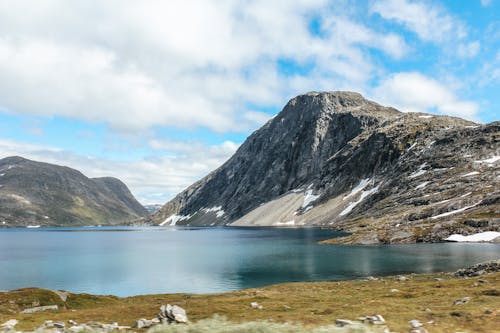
x: 153, y: 208
x: 337, y: 159
x: 35, y: 193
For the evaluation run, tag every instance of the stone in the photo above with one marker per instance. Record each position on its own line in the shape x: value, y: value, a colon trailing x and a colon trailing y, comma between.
x: 374, y: 320
x: 72, y: 322
x: 418, y: 330
x: 479, y: 269
x: 415, y: 323
x: 394, y: 290
x: 179, y: 314
x: 40, y: 308
x: 256, y: 305
x: 143, y: 323
x: 402, y: 278
x: 9, y: 325
x: 462, y: 300
x: 343, y: 322
x: 59, y: 324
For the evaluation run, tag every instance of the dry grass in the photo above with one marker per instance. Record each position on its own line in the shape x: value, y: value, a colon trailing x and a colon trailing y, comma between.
x: 310, y: 304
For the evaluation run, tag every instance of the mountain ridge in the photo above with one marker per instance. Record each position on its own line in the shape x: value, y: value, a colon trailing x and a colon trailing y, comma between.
x: 333, y: 158
x: 38, y: 193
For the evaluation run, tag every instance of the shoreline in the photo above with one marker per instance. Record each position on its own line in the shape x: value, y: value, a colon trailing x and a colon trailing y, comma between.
x: 424, y: 297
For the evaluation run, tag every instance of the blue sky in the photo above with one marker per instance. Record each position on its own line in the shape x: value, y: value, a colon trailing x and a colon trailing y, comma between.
x: 160, y: 93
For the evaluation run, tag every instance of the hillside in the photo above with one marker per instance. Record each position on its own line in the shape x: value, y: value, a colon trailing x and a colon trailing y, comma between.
x: 35, y: 193
x: 336, y: 159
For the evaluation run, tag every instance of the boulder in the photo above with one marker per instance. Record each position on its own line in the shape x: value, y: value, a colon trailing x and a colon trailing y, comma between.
x: 143, y: 323
x: 256, y: 305
x: 462, y: 300
x: 9, y: 325
x: 40, y: 308
x: 343, y: 322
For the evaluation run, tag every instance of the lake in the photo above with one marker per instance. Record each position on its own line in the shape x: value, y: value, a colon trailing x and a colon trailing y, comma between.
x: 128, y: 261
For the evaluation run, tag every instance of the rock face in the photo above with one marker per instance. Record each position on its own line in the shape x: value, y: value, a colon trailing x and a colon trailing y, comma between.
x: 34, y: 193
x: 479, y: 269
x: 336, y: 159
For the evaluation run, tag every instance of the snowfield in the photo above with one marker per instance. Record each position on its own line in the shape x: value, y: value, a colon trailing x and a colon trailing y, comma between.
x: 173, y: 219
x: 486, y: 236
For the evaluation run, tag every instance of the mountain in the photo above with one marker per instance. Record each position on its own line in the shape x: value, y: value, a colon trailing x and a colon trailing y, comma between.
x: 153, y: 208
x: 35, y: 193
x: 336, y: 159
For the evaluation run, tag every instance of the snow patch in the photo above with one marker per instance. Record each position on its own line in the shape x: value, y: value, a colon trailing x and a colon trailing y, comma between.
x: 424, y: 184
x: 216, y: 209
x: 360, y: 187
x: 412, y: 146
x: 486, y: 236
x: 2, y: 174
x: 174, y: 219
x: 466, y: 195
x: 292, y: 222
x: 32, y: 226
x: 419, y: 172
x: 426, y: 117
x: 363, y: 195
x: 489, y: 160
x: 308, y: 198
x: 473, y: 173
x: 454, y: 211
x: 308, y: 208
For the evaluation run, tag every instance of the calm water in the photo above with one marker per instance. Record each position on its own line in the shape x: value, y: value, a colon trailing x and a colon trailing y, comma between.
x: 129, y: 261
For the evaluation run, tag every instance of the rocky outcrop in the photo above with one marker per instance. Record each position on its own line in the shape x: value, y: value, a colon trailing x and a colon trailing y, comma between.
x: 41, y: 194
x: 479, y: 269
x: 336, y: 159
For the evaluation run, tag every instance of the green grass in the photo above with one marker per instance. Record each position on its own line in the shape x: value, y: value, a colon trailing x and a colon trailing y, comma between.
x: 310, y: 305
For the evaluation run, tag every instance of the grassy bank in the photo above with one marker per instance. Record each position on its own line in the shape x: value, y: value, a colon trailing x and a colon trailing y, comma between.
x: 315, y: 304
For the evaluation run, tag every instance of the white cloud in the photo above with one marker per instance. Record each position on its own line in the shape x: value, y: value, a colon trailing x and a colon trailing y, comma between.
x: 485, y: 3
x: 429, y: 22
x: 183, y: 63
x: 415, y: 92
x: 468, y: 50
x: 151, y: 180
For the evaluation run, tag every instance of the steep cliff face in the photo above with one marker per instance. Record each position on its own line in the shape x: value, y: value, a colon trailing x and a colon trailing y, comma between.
x: 337, y: 159
x: 34, y: 193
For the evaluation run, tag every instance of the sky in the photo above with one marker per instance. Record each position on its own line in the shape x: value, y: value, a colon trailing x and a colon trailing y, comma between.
x: 160, y: 93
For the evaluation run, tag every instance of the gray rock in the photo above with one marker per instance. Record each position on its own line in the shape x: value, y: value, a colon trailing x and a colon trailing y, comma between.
x: 255, y: 305
x: 40, y: 308
x: 374, y: 320
x: 9, y: 325
x: 462, y: 301
x: 415, y: 323
x: 59, y: 324
x: 72, y: 322
x: 479, y: 269
x: 143, y: 323
x: 179, y: 314
x: 343, y: 322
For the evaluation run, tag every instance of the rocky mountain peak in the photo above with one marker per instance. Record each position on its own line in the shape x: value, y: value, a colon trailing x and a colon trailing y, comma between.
x: 329, y: 158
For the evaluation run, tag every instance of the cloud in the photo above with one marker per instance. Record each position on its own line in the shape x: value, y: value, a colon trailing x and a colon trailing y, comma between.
x: 431, y: 23
x: 415, y: 92
x: 468, y: 50
x: 191, y: 63
x: 151, y: 179
x: 485, y: 3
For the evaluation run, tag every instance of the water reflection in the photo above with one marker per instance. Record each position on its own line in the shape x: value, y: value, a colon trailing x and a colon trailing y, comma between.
x: 128, y: 261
